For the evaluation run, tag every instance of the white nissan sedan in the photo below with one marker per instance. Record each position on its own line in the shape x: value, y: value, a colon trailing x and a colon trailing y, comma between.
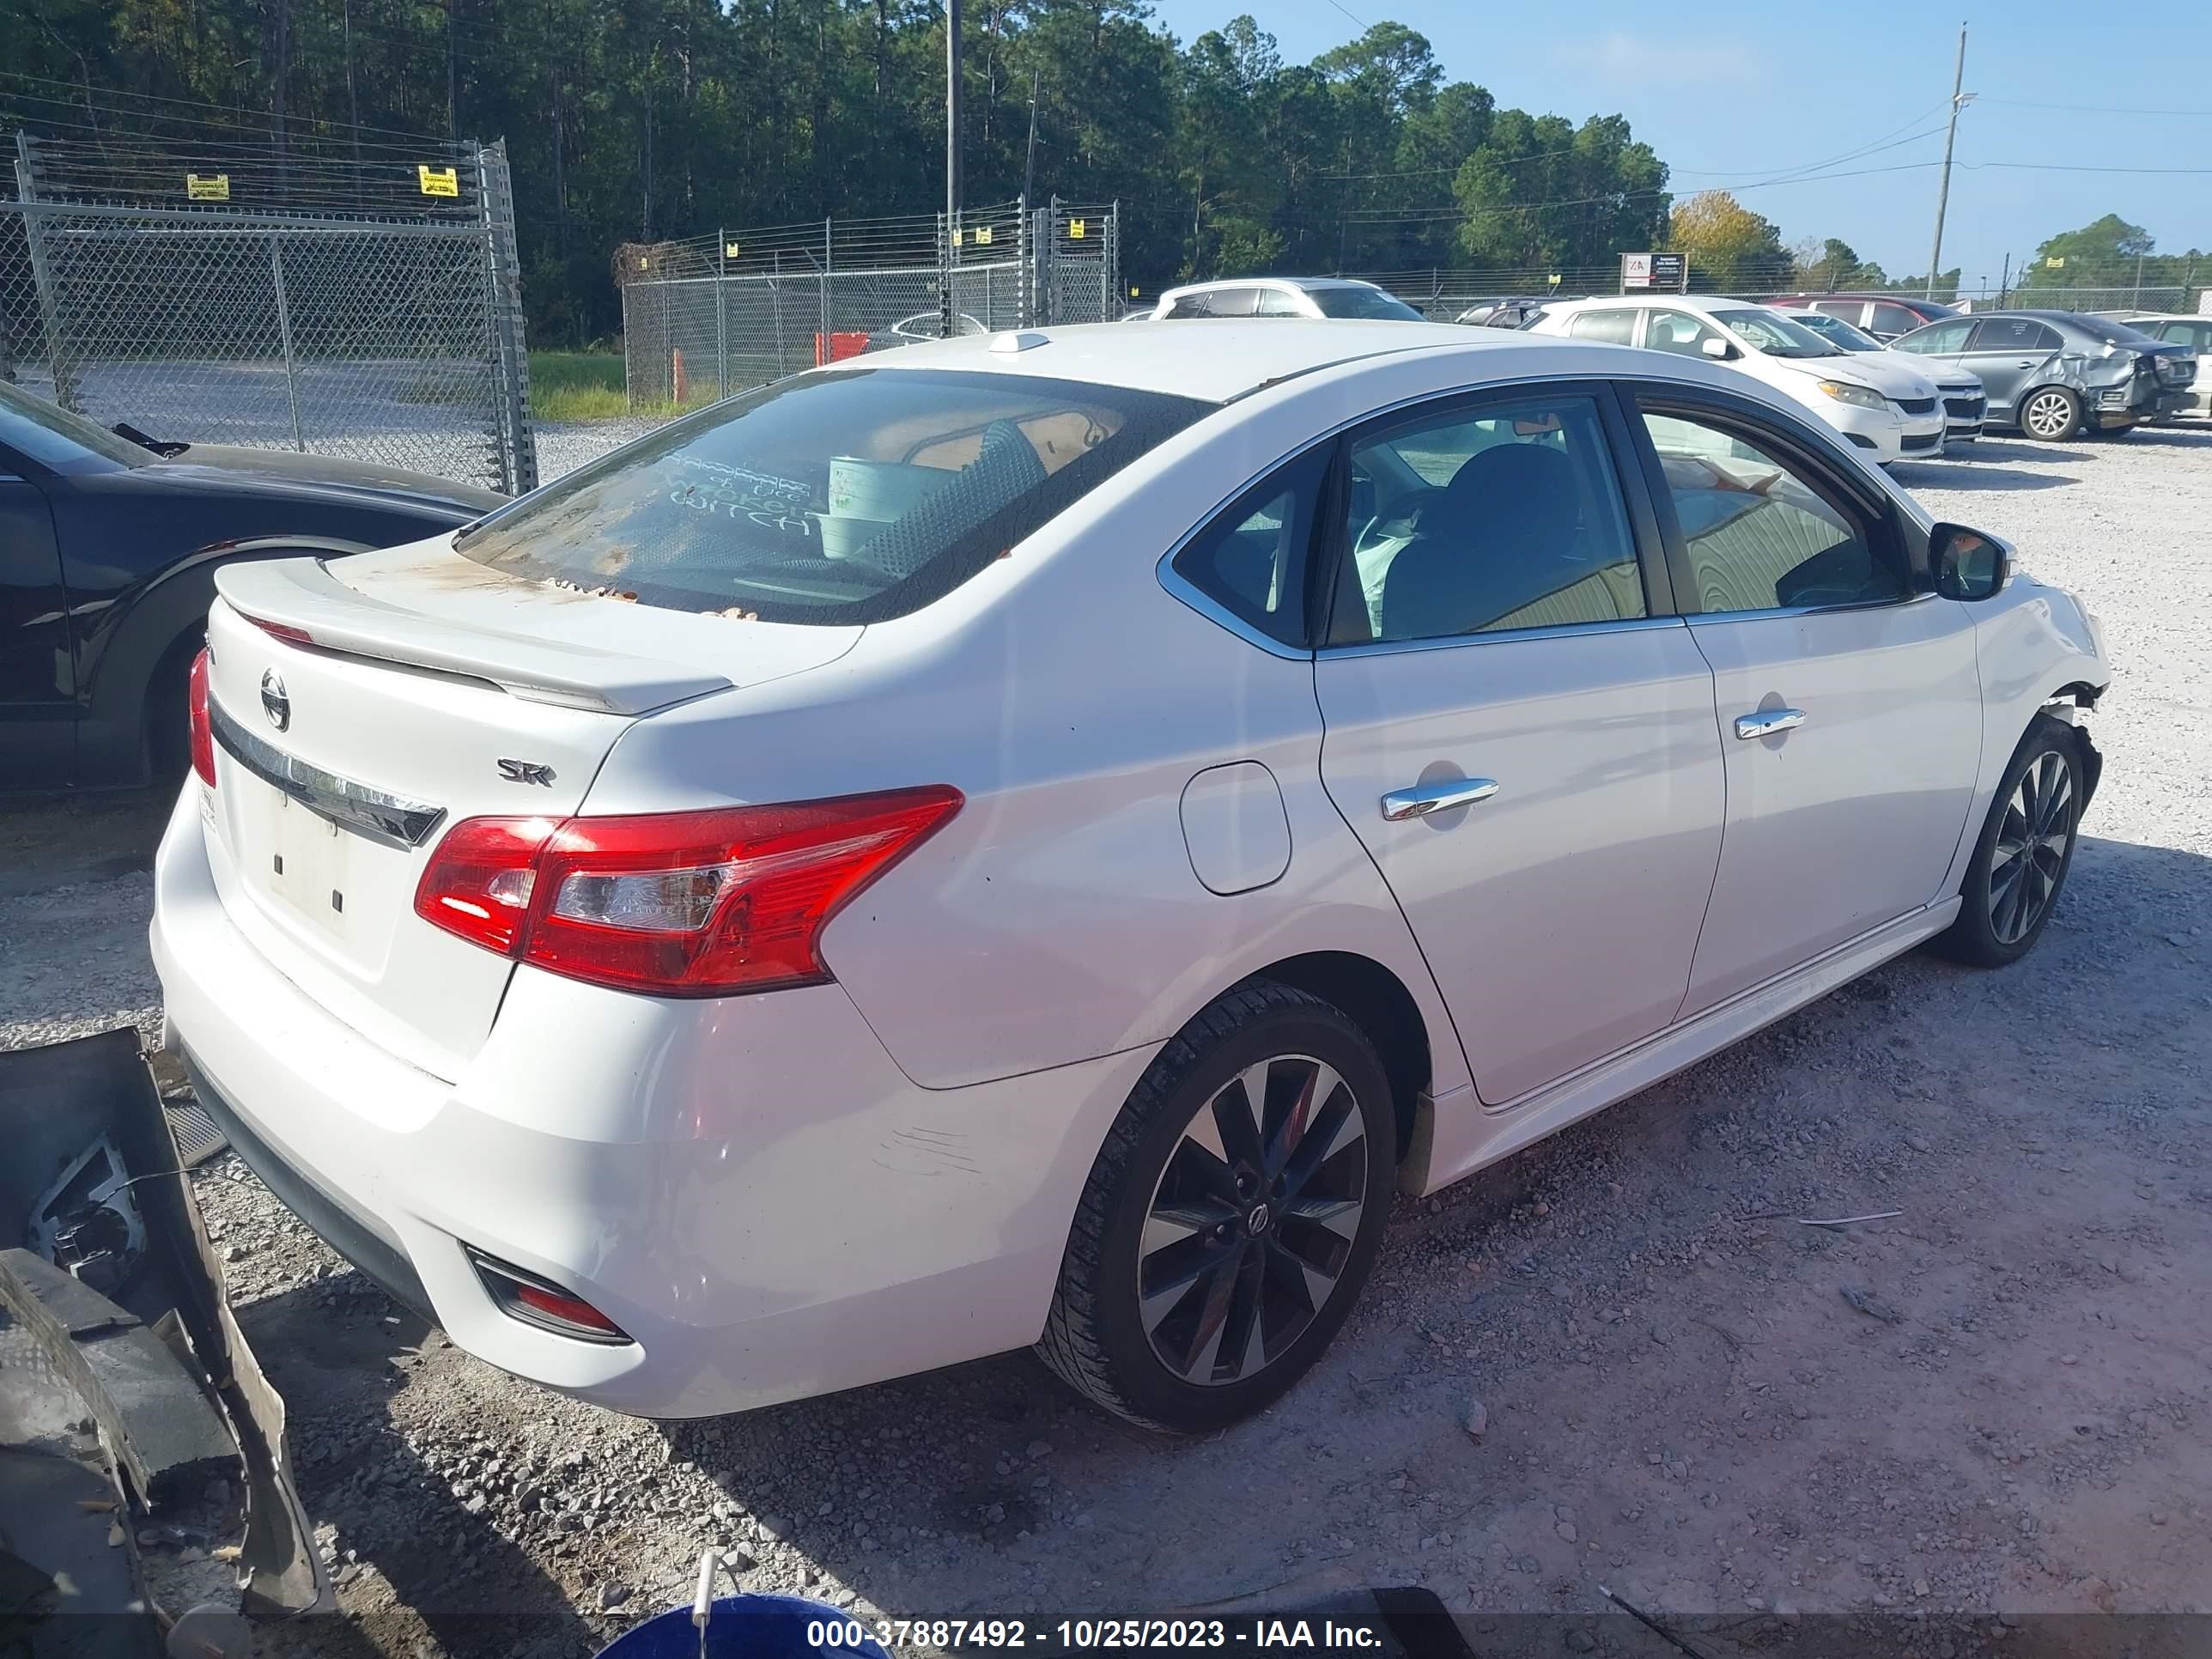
x: 1029, y: 840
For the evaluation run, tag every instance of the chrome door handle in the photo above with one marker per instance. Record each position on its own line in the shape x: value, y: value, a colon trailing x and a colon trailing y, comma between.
x: 1424, y: 799
x: 1768, y: 721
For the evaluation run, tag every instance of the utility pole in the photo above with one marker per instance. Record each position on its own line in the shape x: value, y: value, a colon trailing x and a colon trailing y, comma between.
x: 950, y: 252
x: 1029, y: 160
x: 1959, y: 101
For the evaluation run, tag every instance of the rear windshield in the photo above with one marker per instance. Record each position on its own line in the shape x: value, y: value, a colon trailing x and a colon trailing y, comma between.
x: 844, y: 498
x: 1362, y: 302
x: 2106, y: 329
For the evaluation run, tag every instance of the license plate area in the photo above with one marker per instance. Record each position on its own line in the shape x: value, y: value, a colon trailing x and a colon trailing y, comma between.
x: 309, y: 862
x: 333, y: 889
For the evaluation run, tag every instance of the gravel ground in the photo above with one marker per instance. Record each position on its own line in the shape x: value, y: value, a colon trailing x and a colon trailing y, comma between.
x: 1616, y: 1358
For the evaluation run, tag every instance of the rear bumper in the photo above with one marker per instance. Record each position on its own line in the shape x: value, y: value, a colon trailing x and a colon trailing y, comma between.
x: 748, y: 1187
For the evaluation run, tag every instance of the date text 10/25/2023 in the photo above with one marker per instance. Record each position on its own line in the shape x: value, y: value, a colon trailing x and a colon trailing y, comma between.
x: 1067, y: 1636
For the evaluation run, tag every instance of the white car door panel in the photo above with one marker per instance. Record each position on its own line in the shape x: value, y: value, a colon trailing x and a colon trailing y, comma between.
x: 1530, y: 758
x: 1559, y: 914
x: 1849, y: 704
x: 1848, y: 818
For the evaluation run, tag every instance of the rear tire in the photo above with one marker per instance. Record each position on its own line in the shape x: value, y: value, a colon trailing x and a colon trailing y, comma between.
x: 1221, y: 1240
x: 166, y: 721
x: 2024, y: 850
x: 2052, y: 414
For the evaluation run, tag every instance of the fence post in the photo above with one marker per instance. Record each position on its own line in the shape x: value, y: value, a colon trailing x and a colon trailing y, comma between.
x: 284, y: 335
x: 42, y: 278
x: 1110, y: 273
x: 518, y: 461
x: 1048, y: 259
x: 1024, y: 299
x: 722, y: 316
x: 822, y: 340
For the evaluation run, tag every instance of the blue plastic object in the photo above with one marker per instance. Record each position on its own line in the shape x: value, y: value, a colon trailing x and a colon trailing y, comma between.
x: 745, y: 1627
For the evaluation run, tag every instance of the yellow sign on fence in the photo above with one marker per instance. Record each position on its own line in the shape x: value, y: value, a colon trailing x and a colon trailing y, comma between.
x: 983, y: 235
x: 207, y: 187
x: 1075, y: 230
x: 729, y: 250
x: 438, y: 181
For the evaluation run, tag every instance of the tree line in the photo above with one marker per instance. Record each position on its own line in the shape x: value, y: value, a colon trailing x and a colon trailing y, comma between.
x: 641, y: 120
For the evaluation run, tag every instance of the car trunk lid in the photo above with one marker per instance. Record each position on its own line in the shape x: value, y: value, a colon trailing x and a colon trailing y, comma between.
x: 363, y: 707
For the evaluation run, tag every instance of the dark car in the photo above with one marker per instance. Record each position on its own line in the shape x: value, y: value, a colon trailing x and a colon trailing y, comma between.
x: 1506, y: 311
x: 2057, y: 374
x: 1884, y: 316
x: 108, y: 549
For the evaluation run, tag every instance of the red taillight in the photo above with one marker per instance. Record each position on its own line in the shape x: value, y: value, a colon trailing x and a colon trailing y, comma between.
x: 674, y: 903
x: 196, y: 701
x: 480, y: 881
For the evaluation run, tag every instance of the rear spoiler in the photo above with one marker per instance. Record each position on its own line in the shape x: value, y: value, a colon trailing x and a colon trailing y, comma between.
x: 298, y: 599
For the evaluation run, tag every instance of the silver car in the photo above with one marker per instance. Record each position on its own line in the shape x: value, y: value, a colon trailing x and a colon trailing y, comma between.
x: 2061, y: 375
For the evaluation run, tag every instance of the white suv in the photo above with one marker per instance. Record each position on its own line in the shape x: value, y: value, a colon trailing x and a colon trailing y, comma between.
x: 1316, y: 297
x: 1890, y: 410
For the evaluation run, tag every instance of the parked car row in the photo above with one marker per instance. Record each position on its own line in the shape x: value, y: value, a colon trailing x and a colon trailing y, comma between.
x: 1900, y: 376
x: 2058, y: 375
x: 1879, y: 402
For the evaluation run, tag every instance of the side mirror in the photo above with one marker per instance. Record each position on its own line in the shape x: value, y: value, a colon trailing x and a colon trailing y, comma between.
x: 1718, y: 349
x: 1968, y: 564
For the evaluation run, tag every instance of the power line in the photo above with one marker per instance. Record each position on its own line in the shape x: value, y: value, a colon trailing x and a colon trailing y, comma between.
x: 1867, y: 148
x: 1348, y: 12
x: 2063, y: 166
x: 238, y: 115
x: 2100, y: 109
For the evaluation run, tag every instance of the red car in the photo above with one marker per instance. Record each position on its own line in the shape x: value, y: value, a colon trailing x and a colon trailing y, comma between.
x: 1884, y: 316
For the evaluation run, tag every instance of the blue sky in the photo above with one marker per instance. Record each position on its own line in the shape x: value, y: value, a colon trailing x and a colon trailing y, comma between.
x: 1731, y: 93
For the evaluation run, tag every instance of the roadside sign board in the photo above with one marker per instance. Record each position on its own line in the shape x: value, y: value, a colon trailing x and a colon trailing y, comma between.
x: 1655, y: 270
x: 207, y: 187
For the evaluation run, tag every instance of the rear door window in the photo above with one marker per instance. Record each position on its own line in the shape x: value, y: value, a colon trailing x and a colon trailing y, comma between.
x: 1218, y: 303
x: 2014, y: 334
x: 1477, y: 520
x: 1615, y: 327
x: 849, y: 496
x: 1938, y: 339
x: 1893, y: 319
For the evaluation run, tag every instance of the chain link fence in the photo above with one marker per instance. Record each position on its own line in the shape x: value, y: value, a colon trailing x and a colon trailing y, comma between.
x: 710, y: 316
x: 393, y: 336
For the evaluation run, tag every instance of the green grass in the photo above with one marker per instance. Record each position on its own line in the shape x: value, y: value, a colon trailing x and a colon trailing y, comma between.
x: 577, y: 385
x: 588, y: 385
